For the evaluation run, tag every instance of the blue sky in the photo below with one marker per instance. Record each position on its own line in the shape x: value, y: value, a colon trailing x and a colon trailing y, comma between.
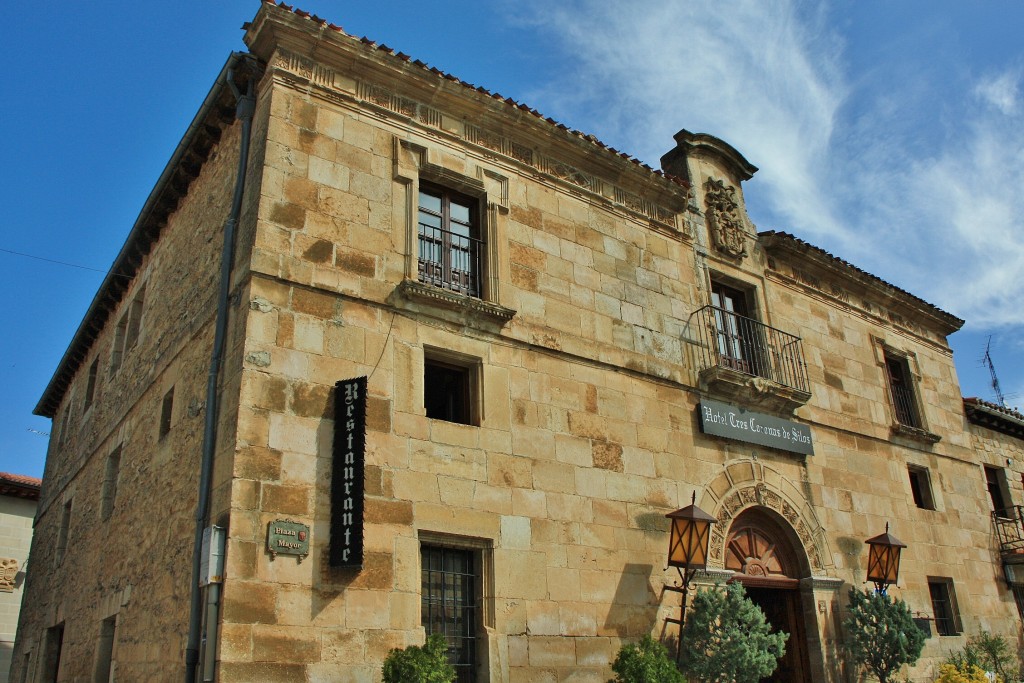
x: 889, y: 133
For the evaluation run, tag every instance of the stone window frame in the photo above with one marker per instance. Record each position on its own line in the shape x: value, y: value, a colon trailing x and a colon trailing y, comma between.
x: 884, y: 353
x: 166, y: 414
x: 483, y: 552
x: 473, y: 367
x: 111, y: 476
x: 921, y: 475
x: 128, y: 330
x: 414, y: 162
x: 91, y: 384
x: 64, y: 530
x: 945, y: 610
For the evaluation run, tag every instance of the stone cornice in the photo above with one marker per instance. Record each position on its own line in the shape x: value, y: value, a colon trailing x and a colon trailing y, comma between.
x: 797, y: 261
x: 417, y: 94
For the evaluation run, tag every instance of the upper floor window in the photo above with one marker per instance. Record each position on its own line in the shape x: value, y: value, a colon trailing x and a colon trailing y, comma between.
x: 736, y: 346
x: 947, y: 614
x: 450, y: 243
x: 901, y: 391
x: 998, y: 491
x: 90, y: 387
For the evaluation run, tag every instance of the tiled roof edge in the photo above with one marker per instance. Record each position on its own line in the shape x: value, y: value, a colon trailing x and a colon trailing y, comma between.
x: 371, y: 44
x: 994, y: 416
x: 769, y: 235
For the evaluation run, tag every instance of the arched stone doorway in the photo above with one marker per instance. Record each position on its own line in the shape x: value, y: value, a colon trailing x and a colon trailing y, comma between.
x: 769, y: 561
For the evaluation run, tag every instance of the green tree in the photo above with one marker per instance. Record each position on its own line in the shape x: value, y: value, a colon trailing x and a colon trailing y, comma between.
x: 881, y: 634
x: 645, y: 662
x: 727, y: 640
x: 414, y: 664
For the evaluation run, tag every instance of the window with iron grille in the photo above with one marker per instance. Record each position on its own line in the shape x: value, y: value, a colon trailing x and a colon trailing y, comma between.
x: 450, y: 244
x: 450, y: 603
x: 998, y: 491
x: 901, y: 391
x: 947, y: 615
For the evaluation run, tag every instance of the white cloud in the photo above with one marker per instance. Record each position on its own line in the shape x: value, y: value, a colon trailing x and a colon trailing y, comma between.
x: 758, y: 74
x: 1001, y: 91
x: 921, y: 188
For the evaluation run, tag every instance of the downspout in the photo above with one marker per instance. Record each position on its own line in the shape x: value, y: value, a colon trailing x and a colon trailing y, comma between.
x: 244, y: 109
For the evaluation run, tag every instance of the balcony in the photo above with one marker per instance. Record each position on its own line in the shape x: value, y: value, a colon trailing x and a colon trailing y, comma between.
x: 745, y: 360
x: 1009, y: 526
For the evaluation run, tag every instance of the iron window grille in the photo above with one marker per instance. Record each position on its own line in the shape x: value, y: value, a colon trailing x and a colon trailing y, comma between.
x: 450, y: 246
x: 947, y: 615
x: 902, y: 391
x: 450, y: 604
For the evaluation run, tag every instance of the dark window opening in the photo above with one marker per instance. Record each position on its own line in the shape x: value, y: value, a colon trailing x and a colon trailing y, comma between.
x: 448, y: 391
x: 166, y: 412
x: 134, y: 320
x: 117, y: 352
x: 105, y: 650
x: 901, y: 391
x: 450, y: 604
x: 62, y: 534
x: 921, y: 488
x: 110, y: 477
x: 947, y: 615
x: 998, y: 491
x: 51, y: 653
x: 90, y: 387
x: 450, y: 243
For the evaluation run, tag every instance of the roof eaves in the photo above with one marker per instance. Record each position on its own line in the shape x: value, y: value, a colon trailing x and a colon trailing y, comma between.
x: 369, y: 43
x: 773, y: 238
x: 145, y: 231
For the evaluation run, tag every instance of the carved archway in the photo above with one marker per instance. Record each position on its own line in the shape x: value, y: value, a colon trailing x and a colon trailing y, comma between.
x: 749, y: 484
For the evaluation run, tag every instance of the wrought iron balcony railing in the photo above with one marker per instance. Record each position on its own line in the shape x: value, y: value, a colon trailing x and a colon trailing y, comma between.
x: 1009, y: 526
x: 743, y: 344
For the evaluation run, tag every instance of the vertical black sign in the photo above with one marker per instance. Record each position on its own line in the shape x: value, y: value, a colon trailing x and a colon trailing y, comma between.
x: 347, y: 475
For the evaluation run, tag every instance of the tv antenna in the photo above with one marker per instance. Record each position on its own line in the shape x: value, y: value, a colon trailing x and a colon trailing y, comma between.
x: 987, y: 360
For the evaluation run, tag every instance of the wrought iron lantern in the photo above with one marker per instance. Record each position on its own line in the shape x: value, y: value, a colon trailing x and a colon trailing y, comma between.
x: 884, y: 559
x: 689, y: 538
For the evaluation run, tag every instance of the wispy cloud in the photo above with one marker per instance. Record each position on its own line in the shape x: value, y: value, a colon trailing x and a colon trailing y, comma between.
x: 845, y: 158
x: 760, y: 75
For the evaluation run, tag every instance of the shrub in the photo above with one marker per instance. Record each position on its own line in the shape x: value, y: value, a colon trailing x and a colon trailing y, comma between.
x: 881, y: 634
x: 727, y: 640
x: 645, y: 662
x: 989, y: 653
x: 415, y: 664
x: 950, y: 673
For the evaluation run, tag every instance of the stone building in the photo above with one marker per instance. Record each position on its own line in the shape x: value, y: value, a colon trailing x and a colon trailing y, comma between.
x: 18, y: 497
x: 560, y: 345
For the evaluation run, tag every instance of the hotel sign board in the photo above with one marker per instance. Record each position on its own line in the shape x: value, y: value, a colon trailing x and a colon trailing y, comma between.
x: 740, y: 424
x: 347, y: 476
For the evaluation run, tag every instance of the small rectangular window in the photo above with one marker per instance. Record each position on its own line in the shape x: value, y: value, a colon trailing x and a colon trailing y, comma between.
x: 105, y: 651
x: 65, y: 425
x: 921, y: 487
x: 450, y: 604
x: 90, y: 387
x: 62, y: 534
x: 110, y: 477
x: 450, y: 387
x: 998, y: 491
x: 901, y: 391
x: 117, y: 352
x: 947, y: 615
x: 53, y: 643
x: 131, y: 336
x: 166, y: 412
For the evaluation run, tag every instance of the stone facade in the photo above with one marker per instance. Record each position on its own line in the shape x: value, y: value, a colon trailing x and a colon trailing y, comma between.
x: 588, y: 352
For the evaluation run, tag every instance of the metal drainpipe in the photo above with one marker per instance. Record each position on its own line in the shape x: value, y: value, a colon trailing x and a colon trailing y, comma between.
x: 244, y: 109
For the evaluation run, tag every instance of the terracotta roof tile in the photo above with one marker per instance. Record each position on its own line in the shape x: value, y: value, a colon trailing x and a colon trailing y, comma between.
x: 846, y: 264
